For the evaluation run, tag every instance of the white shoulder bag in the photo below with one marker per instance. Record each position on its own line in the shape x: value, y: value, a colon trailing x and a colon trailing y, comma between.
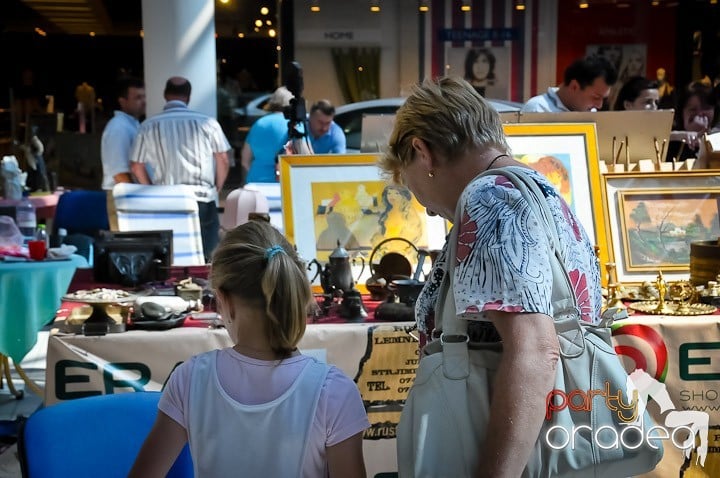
x: 442, y: 426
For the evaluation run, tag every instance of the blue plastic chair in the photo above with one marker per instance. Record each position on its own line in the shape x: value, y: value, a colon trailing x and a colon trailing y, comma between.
x: 91, y: 437
x: 82, y: 214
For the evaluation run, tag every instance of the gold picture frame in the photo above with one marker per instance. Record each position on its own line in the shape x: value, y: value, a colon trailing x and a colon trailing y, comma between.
x: 567, y: 154
x: 344, y: 197
x: 653, y: 217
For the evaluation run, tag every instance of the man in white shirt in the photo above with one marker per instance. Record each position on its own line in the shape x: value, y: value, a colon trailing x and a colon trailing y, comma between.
x: 182, y: 146
x: 118, y: 137
x: 586, y: 85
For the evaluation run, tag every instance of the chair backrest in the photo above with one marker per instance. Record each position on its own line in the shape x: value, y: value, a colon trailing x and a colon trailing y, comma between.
x: 90, y: 437
x: 147, y: 208
x: 238, y: 206
x: 81, y: 212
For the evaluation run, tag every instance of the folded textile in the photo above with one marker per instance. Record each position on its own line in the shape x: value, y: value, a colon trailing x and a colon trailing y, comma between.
x: 62, y: 252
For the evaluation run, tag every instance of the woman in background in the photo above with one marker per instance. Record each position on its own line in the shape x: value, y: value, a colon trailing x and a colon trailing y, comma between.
x: 694, y: 116
x: 638, y: 93
x: 480, y: 69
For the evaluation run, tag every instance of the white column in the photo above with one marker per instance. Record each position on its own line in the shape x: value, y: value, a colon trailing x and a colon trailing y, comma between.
x: 179, y: 40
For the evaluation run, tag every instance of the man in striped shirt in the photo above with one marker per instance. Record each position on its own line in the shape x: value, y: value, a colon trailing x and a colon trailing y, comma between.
x: 182, y: 146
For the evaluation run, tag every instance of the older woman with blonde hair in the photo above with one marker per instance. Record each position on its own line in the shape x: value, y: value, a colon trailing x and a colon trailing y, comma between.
x: 445, y: 135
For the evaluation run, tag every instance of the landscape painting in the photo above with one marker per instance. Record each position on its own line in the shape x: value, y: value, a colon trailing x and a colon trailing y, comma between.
x: 659, y: 225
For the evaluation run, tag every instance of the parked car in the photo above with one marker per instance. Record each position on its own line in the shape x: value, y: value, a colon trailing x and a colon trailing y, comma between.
x: 349, y: 117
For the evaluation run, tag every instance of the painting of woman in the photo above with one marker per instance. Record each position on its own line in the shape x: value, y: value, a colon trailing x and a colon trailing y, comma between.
x: 480, y: 69
x: 399, y: 218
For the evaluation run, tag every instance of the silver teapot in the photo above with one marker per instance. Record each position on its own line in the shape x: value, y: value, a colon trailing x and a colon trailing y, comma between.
x: 337, y: 274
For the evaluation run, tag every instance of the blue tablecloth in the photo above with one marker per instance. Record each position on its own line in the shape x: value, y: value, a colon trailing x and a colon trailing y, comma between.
x: 30, y: 294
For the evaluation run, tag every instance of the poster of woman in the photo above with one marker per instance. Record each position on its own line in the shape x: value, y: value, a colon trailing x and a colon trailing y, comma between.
x: 486, y: 68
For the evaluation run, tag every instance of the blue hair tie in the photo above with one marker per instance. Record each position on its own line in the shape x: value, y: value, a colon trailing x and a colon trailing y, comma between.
x: 270, y: 252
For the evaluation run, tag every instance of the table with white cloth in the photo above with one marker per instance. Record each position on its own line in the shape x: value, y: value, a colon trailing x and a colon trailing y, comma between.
x: 30, y: 293
x: 682, y: 352
x: 380, y: 357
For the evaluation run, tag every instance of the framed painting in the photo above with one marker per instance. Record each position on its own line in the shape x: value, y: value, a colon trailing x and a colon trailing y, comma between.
x: 566, y: 154
x: 343, y: 199
x: 653, y: 218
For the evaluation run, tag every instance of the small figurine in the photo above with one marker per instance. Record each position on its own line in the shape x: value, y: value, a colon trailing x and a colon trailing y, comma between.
x: 661, y: 285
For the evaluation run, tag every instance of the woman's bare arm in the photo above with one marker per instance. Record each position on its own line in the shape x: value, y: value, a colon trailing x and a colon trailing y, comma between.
x: 524, y: 378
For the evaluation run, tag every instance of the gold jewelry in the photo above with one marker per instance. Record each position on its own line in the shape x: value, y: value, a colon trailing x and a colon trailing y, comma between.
x: 431, y: 174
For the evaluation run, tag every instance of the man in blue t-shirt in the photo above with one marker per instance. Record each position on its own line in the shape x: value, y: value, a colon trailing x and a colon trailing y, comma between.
x: 325, y: 135
x: 266, y: 139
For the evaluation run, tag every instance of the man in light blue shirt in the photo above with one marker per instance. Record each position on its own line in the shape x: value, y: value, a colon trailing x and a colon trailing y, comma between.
x: 586, y: 85
x: 118, y: 137
x: 325, y: 135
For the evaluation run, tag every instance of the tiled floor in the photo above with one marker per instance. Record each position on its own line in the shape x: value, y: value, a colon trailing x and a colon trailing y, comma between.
x: 11, y: 409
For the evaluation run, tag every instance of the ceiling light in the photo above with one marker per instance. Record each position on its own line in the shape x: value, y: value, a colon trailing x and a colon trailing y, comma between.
x: 520, y: 5
x: 374, y: 6
x: 583, y: 4
x: 258, y: 23
x: 272, y: 33
x: 465, y: 6
x: 264, y: 11
x: 241, y: 35
x: 315, y: 6
x: 423, y: 6
x: 655, y: 3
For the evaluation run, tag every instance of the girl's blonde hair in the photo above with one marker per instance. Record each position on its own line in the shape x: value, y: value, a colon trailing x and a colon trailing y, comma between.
x: 255, y: 263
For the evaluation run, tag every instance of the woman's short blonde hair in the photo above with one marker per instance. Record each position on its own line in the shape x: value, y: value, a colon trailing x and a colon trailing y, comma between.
x: 255, y: 263
x: 450, y: 117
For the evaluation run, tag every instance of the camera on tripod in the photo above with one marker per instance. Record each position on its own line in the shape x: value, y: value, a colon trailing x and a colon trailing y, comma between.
x: 296, y: 112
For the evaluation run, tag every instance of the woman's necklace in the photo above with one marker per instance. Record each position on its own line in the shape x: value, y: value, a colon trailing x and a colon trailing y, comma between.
x: 495, y: 159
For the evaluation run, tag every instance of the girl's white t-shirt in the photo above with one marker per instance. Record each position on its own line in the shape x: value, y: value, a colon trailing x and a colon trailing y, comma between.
x: 340, y: 412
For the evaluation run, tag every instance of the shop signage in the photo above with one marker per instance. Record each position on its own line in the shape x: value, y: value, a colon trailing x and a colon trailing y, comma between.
x: 479, y: 34
x: 339, y: 37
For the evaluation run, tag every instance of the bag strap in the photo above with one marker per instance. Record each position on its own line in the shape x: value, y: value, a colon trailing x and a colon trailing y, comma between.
x: 566, y: 313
